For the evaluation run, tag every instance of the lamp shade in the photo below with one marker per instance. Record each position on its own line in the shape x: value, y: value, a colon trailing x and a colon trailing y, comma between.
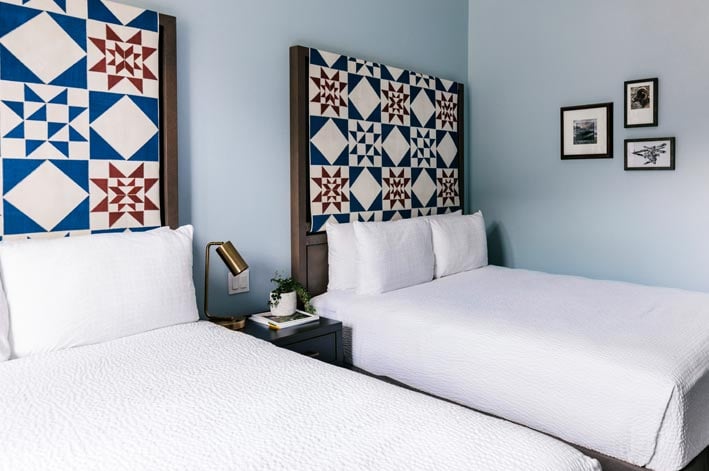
x: 232, y: 259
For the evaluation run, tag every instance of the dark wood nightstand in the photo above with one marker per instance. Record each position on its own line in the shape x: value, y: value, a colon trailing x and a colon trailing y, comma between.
x: 321, y: 339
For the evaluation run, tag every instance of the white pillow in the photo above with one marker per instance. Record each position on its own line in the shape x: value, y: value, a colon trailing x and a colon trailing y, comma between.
x: 83, y: 290
x: 460, y: 244
x: 342, y: 253
x: 393, y: 255
x: 4, y: 328
x: 341, y: 257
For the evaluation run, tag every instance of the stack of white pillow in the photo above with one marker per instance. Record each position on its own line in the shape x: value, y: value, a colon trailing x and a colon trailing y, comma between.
x: 376, y: 257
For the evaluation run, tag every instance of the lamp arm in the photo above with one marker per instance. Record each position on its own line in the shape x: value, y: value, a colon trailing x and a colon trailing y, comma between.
x: 206, y: 278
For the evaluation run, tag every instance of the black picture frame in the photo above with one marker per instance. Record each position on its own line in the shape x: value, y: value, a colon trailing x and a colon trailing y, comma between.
x: 647, y: 164
x: 578, y: 143
x: 647, y: 114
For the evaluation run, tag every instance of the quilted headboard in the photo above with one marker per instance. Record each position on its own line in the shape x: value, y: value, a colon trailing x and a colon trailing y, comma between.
x: 88, y: 118
x: 369, y: 142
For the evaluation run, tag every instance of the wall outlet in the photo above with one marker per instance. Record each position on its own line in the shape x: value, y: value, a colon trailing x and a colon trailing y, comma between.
x: 238, y: 284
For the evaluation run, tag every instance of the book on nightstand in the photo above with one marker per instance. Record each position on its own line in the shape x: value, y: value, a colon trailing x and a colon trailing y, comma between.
x: 281, y: 322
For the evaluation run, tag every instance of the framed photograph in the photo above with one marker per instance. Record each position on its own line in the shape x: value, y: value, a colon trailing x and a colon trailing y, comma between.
x: 657, y: 153
x: 587, y: 132
x: 641, y: 108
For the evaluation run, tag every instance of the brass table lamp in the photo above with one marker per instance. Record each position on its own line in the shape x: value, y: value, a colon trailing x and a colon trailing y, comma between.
x: 236, y: 265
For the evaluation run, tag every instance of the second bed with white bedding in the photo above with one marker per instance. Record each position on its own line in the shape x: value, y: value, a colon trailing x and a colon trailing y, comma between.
x: 614, y: 367
x: 197, y: 396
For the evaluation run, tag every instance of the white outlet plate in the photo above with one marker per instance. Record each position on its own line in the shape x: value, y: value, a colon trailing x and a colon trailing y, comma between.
x: 238, y: 284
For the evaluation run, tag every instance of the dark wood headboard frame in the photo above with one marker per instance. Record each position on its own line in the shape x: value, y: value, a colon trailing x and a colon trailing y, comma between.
x: 309, y: 250
x: 168, y: 121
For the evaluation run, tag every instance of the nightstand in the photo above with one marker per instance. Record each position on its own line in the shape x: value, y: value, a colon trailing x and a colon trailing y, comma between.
x: 321, y: 339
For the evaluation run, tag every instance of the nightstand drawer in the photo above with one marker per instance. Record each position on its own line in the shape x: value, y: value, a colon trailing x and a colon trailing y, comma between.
x: 323, y: 348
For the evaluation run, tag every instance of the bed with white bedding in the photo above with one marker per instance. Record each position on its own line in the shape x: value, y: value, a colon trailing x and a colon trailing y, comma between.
x: 198, y: 396
x: 618, y: 368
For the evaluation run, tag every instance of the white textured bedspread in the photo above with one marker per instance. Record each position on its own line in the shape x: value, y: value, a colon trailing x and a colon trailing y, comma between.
x: 200, y: 397
x: 615, y: 367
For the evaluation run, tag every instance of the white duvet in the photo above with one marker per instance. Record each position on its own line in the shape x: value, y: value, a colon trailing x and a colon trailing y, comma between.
x: 200, y: 397
x: 614, y: 367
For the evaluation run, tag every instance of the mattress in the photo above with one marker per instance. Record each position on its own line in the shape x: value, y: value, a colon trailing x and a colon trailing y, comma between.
x: 615, y: 367
x: 198, y: 396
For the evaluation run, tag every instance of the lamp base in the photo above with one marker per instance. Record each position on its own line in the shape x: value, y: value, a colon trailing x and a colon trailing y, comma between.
x: 231, y: 323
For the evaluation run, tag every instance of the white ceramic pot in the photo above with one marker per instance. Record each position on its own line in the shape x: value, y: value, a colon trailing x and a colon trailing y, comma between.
x: 286, y: 306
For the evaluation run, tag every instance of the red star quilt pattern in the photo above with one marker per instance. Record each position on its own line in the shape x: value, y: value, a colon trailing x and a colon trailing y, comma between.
x: 124, y: 195
x: 123, y: 59
x: 329, y: 189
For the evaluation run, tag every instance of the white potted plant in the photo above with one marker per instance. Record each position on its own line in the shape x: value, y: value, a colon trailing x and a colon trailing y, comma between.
x: 283, y: 300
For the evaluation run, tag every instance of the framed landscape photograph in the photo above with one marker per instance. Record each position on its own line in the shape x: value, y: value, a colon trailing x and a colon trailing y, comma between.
x: 587, y: 131
x: 657, y: 153
x: 641, y: 103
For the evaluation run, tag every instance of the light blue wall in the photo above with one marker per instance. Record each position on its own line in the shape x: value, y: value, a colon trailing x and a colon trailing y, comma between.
x: 527, y: 59
x: 234, y: 108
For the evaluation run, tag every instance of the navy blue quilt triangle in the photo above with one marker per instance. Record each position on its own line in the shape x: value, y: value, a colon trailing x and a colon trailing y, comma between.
x: 75, y: 111
x: 341, y: 63
x: 14, y: 16
x: 54, y: 128
x: 32, y: 145
x: 76, y: 220
x: 30, y: 95
x: 357, y: 207
x: 17, y: 222
x: 77, y: 170
x: 100, y: 102
x: 317, y: 59
x: 39, y: 115
x: 61, y: 99
x: 76, y: 136
x: 17, y: 133
x: 354, y: 112
x: 149, y: 106
x: 12, y: 68
x: 431, y: 203
x: 17, y: 107
x: 99, y: 11
x: 317, y: 157
x: 16, y: 170
x: 74, y: 76
x: 61, y: 146
x: 147, y: 20
x: 61, y: 4
x: 102, y: 150
x: 150, y: 152
x: 452, y: 88
x: 319, y: 222
x: 74, y: 27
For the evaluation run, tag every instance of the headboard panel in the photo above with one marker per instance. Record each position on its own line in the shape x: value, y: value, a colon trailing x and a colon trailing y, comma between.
x: 169, y: 194
x: 88, y: 135
x: 309, y: 264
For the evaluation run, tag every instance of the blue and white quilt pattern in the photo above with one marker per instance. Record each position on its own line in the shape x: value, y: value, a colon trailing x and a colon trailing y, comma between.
x: 383, y: 142
x: 79, y: 118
